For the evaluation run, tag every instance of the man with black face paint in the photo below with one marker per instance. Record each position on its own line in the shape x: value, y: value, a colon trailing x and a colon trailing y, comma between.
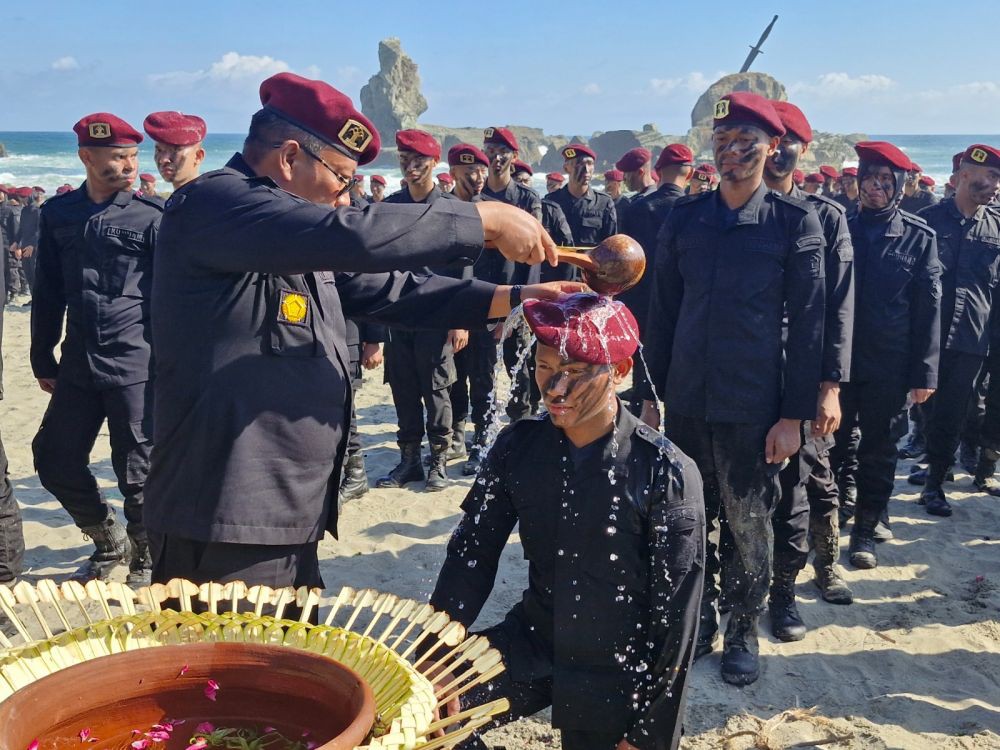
x: 636, y: 167
x: 848, y: 197
x: 377, y: 182
x: 914, y: 199
x: 809, y: 496
x: 612, y: 522
x: 591, y: 215
x: 734, y: 345
x: 614, y: 181
x: 420, y: 365
x: 897, y: 331
x: 968, y: 236
x: 179, y: 152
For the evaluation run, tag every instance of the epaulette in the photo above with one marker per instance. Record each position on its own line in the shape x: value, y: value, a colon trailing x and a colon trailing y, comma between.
x: 150, y: 200
x: 658, y: 440
x: 827, y: 201
x: 916, y: 221
x: 802, y: 205
x: 687, y: 200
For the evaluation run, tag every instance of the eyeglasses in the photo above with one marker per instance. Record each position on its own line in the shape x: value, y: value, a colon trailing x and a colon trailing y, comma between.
x: 347, y: 182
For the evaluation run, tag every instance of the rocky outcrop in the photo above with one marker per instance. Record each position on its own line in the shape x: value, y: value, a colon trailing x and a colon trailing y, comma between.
x: 755, y: 83
x: 391, y: 99
x: 3, y: 151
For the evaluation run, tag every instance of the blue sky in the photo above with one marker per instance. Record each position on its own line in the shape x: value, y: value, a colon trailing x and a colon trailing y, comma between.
x: 572, y: 68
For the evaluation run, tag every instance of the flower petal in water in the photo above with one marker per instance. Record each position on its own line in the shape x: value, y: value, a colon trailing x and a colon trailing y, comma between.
x: 204, y: 728
x: 211, y: 689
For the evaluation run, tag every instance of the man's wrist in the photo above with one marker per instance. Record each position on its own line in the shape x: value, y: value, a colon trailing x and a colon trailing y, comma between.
x: 515, y: 295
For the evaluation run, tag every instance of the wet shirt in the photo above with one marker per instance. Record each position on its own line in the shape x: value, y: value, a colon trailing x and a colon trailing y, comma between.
x: 591, y: 217
x: 897, y: 308
x: 645, y: 216
x: 94, y: 270
x: 615, y: 551
x: 969, y: 253
x: 252, y: 391
x: 723, y: 284
x: 839, y: 266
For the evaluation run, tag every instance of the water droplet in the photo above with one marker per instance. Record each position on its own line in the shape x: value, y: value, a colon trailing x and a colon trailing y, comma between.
x: 471, y: 563
x: 611, y: 531
x: 613, y: 557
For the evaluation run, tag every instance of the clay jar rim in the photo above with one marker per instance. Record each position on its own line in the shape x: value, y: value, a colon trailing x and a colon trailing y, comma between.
x: 201, y: 660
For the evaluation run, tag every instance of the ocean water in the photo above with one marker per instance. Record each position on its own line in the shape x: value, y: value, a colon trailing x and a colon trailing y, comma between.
x: 49, y: 159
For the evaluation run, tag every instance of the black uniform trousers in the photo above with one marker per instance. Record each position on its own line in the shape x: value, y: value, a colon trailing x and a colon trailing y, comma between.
x: 846, y: 472
x: 808, y: 502
x: 972, y: 431
x: 11, y: 530
x: 526, y: 699
x: 420, y: 368
x: 874, y: 409
x: 460, y: 388
x: 947, y: 409
x: 354, y: 371
x: 741, y: 491
x: 67, y: 435
x: 482, y: 362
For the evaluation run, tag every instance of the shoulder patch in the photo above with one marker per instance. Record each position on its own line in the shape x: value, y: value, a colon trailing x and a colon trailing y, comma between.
x: 802, y: 205
x: 915, y: 221
x: 824, y: 200
x: 687, y: 200
x: 154, y: 201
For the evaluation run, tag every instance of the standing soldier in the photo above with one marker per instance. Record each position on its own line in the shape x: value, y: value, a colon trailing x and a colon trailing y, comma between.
x: 591, y: 215
x: 179, y: 150
x: 897, y: 332
x: 554, y: 181
x: 848, y: 196
x: 94, y: 272
x: 11, y: 527
x: 147, y: 185
x: 420, y: 365
x: 830, y: 177
x: 10, y: 219
x: 737, y: 381
x: 968, y: 236
x: 809, y: 498
x: 705, y: 178
x: 614, y: 180
x: 27, y: 235
x: 378, y: 188
x: 636, y: 167
x: 813, y: 184
x: 445, y: 182
x: 914, y: 199
x: 522, y: 173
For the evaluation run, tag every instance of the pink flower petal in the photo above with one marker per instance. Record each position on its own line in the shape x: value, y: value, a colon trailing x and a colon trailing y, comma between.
x: 205, y: 727
x: 268, y: 730
x: 183, y: 671
x: 158, y: 736
x: 33, y: 745
x: 197, y: 745
x: 84, y: 735
x: 142, y: 744
x: 211, y: 689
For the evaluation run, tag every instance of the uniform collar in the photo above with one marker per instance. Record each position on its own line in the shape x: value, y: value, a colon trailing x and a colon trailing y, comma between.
x: 748, y: 213
x: 617, y: 444
x: 952, y: 209
x: 670, y: 188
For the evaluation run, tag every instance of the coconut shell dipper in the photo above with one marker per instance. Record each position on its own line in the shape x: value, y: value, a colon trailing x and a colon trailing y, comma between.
x: 611, y: 267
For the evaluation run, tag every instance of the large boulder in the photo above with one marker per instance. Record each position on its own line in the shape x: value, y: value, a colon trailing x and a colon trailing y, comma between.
x: 755, y: 83
x: 3, y: 151
x: 391, y: 99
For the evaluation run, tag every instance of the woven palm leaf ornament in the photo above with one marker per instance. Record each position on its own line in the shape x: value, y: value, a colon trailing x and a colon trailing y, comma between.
x: 405, y: 657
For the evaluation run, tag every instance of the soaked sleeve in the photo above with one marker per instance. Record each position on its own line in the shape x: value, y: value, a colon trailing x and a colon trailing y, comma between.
x: 470, y: 568
x: 664, y: 309
x: 677, y: 568
x: 805, y: 301
x: 925, y: 321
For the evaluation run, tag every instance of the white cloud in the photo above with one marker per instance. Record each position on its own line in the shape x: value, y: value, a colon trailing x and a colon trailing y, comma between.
x: 694, y: 82
x: 232, y: 67
x: 978, y: 88
x: 591, y: 89
x: 65, y: 63
x: 838, y: 85
x: 663, y: 86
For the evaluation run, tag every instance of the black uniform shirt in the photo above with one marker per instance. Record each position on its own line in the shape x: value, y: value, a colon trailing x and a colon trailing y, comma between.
x: 897, y: 308
x: 724, y: 280
x: 455, y: 271
x: 554, y: 221
x: 516, y: 194
x: 917, y: 202
x: 615, y: 551
x: 93, y: 267
x: 252, y: 391
x: 645, y: 216
x: 839, y: 329
x: 591, y: 217
x: 969, y: 252
x: 30, y: 225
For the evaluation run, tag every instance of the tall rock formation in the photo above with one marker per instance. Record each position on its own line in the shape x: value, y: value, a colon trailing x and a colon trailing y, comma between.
x: 391, y: 99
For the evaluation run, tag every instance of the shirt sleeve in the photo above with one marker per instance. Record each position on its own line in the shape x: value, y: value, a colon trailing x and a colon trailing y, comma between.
x: 839, y: 301
x: 664, y: 310
x: 676, y: 538
x: 48, y: 304
x: 925, y: 320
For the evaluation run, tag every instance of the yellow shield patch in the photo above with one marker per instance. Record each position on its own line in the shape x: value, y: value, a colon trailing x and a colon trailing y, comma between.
x: 978, y: 155
x: 488, y: 133
x: 569, y: 153
x: 355, y: 136
x: 467, y: 159
x: 99, y: 130
x: 721, y: 109
x: 294, y: 307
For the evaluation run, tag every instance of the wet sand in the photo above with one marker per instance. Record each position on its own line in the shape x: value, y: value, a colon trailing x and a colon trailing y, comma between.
x: 912, y: 664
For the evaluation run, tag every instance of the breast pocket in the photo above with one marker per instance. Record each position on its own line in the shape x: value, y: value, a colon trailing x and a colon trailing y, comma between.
x: 760, y: 264
x: 894, y: 279
x: 291, y: 321
x: 590, y: 228
x: 987, y: 260
x: 125, y: 267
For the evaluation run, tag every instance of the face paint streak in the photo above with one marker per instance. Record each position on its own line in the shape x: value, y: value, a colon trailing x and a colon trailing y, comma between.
x: 581, y: 173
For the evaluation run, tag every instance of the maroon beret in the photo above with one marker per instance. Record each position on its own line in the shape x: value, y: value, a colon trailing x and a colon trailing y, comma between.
x: 522, y: 166
x: 63, y: 189
x: 798, y: 176
x: 105, y: 129
x: 796, y: 124
x: 633, y: 159
x: 614, y: 175
x: 38, y: 189
x: 927, y: 181
x: 445, y: 178
x: 25, y: 192
x: 555, y: 177
x: 174, y: 128
x: 466, y: 153
x: 587, y: 327
x: 830, y: 172
x: 573, y: 150
x: 985, y: 156
x: 419, y: 142
x: 914, y: 167
x: 377, y: 179
x: 675, y: 153
x: 882, y: 152
x: 815, y: 177
x: 147, y: 177
x: 500, y: 137
x: 752, y: 109
x: 317, y: 107
x: 956, y: 161
x: 3, y: 189
x: 706, y: 173
x: 849, y: 172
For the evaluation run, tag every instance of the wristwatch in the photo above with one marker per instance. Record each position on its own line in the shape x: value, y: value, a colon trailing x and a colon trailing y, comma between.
x: 515, y: 295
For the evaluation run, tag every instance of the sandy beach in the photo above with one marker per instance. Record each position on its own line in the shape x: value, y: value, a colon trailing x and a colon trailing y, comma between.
x: 912, y: 664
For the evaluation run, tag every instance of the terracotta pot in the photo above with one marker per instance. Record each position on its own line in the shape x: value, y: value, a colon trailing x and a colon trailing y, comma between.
x: 290, y: 689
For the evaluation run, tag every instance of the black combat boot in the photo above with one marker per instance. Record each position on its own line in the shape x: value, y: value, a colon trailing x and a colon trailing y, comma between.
x: 437, y: 475
x: 968, y: 456
x: 826, y: 548
x: 918, y: 476
x: 786, y: 623
x: 861, y: 551
x: 708, y: 628
x: 113, y: 549
x: 740, y: 665
x: 457, y: 450
x: 409, y: 468
x: 915, y: 445
x: 355, y: 481
x: 848, y: 498
x: 983, y: 480
x: 882, y: 531
x: 932, y: 497
x: 140, y: 564
x: 471, y: 466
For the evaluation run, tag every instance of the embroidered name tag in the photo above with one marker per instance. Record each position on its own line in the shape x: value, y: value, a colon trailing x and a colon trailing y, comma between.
x: 123, y: 233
